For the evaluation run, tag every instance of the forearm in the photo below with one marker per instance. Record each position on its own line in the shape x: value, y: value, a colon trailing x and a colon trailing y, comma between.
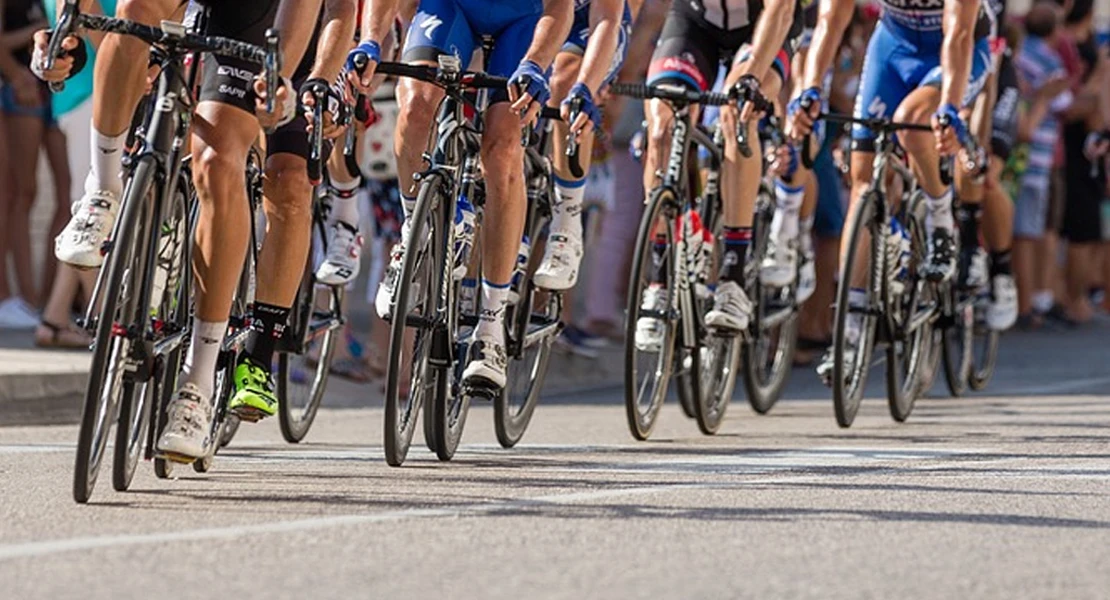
x: 605, y: 22
x: 295, y: 21
x: 645, y: 30
x: 770, y: 32
x: 957, y: 49
x: 377, y: 19
x: 832, y: 21
x: 551, y: 31
x: 335, y: 38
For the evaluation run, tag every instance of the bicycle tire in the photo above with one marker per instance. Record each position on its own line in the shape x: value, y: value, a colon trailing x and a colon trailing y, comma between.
x: 684, y: 387
x: 956, y: 348
x: 98, y: 412
x: 295, y: 419
x: 167, y: 385
x: 848, y: 393
x: 400, y: 421
x: 513, y: 408
x: 768, y: 352
x: 983, y: 371
x: 663, y: 205
x: 907, y: 356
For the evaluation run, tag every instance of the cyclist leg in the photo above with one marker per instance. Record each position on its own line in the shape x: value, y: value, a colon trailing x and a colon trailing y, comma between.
x: 438, y: 28
x: 118, y: 82
x: 998, y: 207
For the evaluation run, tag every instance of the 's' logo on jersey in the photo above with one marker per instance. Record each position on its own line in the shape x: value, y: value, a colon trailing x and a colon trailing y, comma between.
x: 429, y: 23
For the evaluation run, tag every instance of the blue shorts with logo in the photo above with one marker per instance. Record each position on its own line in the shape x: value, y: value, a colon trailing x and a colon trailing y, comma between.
x: 458, y: 26
x: 899, y: 61
x: 580, y: 37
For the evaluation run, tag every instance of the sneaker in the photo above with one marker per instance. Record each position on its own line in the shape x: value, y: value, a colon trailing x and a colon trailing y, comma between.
x: 15, y: 313
x: 342, y: 263
x: 1002, y: 312
x: 188, y: 424
x: 941, y: 261
x: 650, y: 330
x: 254, y: 391
x: 81, y: 243
x: 559, y: 269
x: 807, y: 277
x: 731, y: 308
x: 487, y: 365
x: 779, y: 267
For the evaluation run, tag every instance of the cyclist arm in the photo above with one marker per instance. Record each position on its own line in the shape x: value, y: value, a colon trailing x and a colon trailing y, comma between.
x: 645, y: 30
x: 335, y: 39
x: 833, y: 19
x: 605, y: 26
x: 770, y: 32
x: 551, y: 31
x: 957, y: 49
x: 295, y: 21
x: 377, y: 19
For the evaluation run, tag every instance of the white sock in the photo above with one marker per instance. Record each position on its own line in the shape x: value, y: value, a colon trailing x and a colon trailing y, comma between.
x: 784, y: 225
x: 940, y: 211
x: 805, y: 233
x: 491, y: 326
x: 566, y: 215
x: 1043, y: 300
x: 204, y: 349
x: 857, y: 298
x: 408, y: 205
x: 107, y: 154
x: 344, y: 203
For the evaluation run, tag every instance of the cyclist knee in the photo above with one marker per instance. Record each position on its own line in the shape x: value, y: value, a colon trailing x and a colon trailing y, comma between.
x: 418, y: 102
x: 915, y: 110
x: 566, y: 73
x: 502, y: 150
x: 216, y: 172
x: 288, y: 190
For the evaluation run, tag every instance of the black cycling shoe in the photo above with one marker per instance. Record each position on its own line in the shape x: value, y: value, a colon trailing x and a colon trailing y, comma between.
x: 941, y: 260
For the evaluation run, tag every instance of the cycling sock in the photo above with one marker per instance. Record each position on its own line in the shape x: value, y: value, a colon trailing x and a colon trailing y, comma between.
x: 566, y: 215
x: 736, y: 241
x: 1001, y: 263
x: 658, y: 268
x: 204, y: 350
x: 267, y: 327
x: 343, y: 199
x: 495, y: 297
x: 788, y: 201
x: 940, y: 211
x: 968, y: 216
x: 408, y: 204
x: 107, y: 154
x: 857, y: 298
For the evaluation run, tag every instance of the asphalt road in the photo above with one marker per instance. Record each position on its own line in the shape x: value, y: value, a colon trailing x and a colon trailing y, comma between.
x: 1005, y: 495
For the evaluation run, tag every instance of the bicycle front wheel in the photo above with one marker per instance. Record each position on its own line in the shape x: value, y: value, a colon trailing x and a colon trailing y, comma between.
x: 107, y: 386
x: 913, y: 312
x: 957, y: 348
x: 533, y: 331
x: 852, y: 358
x: 651, y: 325
x: 410, y: 380
x: 985, y: 349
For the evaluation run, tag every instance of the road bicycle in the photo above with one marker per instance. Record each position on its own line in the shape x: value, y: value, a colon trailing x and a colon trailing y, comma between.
x: 432, y: 313
x: 141, y: 309
x: 886, y: 241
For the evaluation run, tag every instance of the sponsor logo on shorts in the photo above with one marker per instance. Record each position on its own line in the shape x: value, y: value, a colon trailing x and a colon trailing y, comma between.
x: 234, y: 73
x: 230, y: 90
x: 683, y: 65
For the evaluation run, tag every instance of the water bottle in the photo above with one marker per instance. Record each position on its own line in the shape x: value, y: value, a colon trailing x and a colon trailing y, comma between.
x: 468, y: 296
x: 464, y: 235
x: 898, y: 256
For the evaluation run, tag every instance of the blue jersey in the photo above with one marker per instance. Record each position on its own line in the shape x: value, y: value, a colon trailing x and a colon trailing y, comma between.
x: 922, y: 20
x: 579, y: 35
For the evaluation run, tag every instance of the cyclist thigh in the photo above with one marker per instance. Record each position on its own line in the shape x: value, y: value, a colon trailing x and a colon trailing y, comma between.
x: 438, y: 28
x: 977, y: 79
x: 687, y: 53
x: 150, y: 12
x: 228, y: 80
x: 881, y: 87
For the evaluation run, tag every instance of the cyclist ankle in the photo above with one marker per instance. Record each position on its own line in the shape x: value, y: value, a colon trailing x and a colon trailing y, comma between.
x: 267, y: 328
x: 736, y: 241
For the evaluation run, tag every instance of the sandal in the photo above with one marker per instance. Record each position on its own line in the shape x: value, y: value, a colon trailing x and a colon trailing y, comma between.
x: 60, y: 337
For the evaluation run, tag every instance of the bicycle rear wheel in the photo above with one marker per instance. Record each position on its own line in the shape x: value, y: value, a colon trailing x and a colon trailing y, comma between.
x: 648, y: 363
x: 303, y: 378
x: 107, y: 386
x: 533, y: 332
x: 912, y: 316
x: 413, y: 321
x: 986, y: 350
x: 850, y: 368
x: 957, y: 347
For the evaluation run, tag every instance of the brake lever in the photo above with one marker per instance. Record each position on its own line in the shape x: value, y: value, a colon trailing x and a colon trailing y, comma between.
x: 64, y: 28
x: 272, y: 67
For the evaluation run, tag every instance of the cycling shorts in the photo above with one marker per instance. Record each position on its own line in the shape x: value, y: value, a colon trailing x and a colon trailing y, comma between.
x: 458, y: 26
x: 690, y: 48
x: 1004, y: 119
x: 580, y: 37
x: 895, y: 66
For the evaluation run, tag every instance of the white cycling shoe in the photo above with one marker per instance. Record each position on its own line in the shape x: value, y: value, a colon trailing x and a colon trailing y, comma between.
x: 561, y: 259
x: 487, y: 365
x: 80, y: 244
x: 1002, y: 312
x: 732, y: 310
x: 807, y: 277
x: 649, y: 330
x: 188, y: 424
x: 344, y: 251
x: 779, y: 267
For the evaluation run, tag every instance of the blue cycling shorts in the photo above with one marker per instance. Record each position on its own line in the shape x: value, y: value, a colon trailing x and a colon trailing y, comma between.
x: 458, y: 26
x: 580, y: 37
x: 895, y: 66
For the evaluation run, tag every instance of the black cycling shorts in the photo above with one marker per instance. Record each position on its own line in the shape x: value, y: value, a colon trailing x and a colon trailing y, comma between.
x: 691, y: 50
x: 1004, y: 119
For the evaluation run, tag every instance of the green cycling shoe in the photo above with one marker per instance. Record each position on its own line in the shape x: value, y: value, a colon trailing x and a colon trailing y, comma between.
x: 254, y: 397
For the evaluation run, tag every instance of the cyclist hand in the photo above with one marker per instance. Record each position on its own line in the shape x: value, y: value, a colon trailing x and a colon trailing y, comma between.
x: 800, y: 121
x: 950, y: 130
x: 367, y: 55
x: 528, y: 90
x: 749, y: 84
x: 66, y: 66
x: 285, y: 105
x: 587, y: 113
x: 785, y: 161
x: 312, y: 88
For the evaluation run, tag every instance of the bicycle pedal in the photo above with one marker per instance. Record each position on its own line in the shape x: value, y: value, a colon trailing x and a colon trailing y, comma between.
x: 482, y: 390
x: 250, y: 415
x: 176, y: 458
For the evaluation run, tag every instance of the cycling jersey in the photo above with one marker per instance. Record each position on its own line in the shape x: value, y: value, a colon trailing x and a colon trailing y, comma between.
x: 457, y: 27
x: 580, y: 36
x: 1004, y: 119
x: 921, y: 20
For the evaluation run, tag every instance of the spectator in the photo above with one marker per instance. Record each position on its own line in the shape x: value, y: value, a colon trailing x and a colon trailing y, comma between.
x: 1045, y: 82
